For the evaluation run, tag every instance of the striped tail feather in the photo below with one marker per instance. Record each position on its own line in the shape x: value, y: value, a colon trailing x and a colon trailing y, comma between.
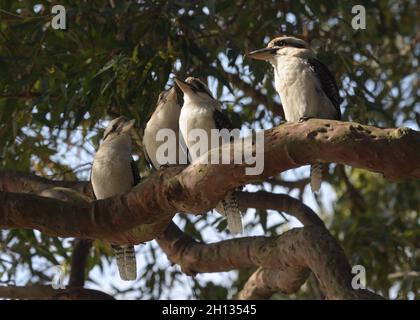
x: 126, y: 262
x: 316, y: 176
x: 229, y: 208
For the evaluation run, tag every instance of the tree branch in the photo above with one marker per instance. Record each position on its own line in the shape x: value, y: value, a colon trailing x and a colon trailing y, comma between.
x: 279, y: 202
x: 296, y: 184
x: 357, y: 203
x: 293, y: 254
x: 13, y: 181
x: 284, y: 261
x: 81, y: 249
x: 44, y: 292
x: 263, y: 283
x: 199, y: 187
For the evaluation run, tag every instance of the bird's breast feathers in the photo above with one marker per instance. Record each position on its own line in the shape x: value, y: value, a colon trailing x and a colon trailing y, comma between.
x: 196, y: 117
x: 300, y: 90
x: 164, y: 119
x: 111, y: 173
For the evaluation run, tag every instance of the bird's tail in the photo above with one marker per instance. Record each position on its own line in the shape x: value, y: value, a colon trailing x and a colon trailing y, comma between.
x: 229, y: 208
x: 126, y: 262
x: 316, y: 176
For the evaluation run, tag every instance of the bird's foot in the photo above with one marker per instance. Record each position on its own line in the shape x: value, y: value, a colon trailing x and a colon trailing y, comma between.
x: 303, y: 119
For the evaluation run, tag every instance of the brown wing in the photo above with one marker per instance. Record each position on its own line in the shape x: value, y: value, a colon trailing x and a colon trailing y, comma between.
x: 135, y: 171
x: 328, y: 83
x: 147, y: 158
x: 90, y: 179
x: 222, y: 121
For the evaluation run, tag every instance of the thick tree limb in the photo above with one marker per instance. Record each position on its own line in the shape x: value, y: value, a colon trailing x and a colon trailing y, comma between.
x: 45, y: 292
x: 199, y: 187
x: 94, y: 220
x: 131, y: 236
x: 279, y: 202
x: 263, y: 283
x: 284, y: 262
x: 20, y: 182
x: 292, y: 254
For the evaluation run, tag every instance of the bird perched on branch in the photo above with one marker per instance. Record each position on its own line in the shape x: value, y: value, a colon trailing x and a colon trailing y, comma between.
x: 201, y: 111
x: 305, y: 85
x: 165, y: 116
x: 115, y: 172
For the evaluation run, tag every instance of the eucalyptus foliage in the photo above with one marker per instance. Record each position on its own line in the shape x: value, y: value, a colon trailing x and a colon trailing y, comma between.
x: 115, y: 57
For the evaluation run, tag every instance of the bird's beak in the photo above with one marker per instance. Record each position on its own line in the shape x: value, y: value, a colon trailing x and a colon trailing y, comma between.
x: 128, y: 125
x: 171, y: 94
x: 262, y: 54
x: 185, y: 87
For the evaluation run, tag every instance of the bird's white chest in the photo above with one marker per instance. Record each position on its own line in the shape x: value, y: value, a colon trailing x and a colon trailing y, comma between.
x: 165, y: 118
x: 196, y: 117
x: 111, y: 172
x: 300, y: 90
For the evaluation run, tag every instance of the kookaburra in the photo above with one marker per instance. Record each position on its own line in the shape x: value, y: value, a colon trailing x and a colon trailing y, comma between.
x: 201, y: 111
x: 165, y: 116
x: 306, y: 87
x: 114, y: 172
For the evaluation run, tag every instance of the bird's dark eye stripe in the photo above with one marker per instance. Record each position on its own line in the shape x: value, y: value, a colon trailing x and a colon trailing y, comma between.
x: 106, y: 136
x: 297, y: 45
x: 199, y: 86
x: 281, y: 43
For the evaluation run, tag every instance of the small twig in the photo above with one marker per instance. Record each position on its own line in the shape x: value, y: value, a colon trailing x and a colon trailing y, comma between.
x: 404, y: 274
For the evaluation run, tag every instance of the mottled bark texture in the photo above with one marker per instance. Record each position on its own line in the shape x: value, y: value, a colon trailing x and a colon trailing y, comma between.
x: 146, y: 211
x: 263, y: 283
x: 199, y: 187
x: 287, y: 258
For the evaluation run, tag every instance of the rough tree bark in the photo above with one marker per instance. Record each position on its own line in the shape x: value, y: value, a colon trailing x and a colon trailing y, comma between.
x: 197, y: 188
x: 285, y: 260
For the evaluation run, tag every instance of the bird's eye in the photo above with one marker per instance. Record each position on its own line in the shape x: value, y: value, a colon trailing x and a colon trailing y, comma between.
x: 199, y: 86
x: 114, y: 127
x: 280, y: 43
